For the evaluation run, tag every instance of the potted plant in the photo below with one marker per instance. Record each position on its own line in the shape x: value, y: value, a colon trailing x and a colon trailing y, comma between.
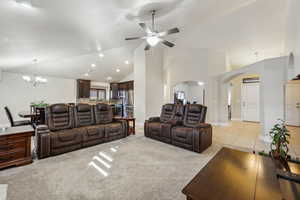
x: 280, y: 140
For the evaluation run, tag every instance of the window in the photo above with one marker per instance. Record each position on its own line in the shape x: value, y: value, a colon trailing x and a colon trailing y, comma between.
x: 97, y: 94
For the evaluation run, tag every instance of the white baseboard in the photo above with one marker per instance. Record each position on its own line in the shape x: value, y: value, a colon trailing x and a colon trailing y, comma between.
x: 219, y: 124
x: 236, y: 119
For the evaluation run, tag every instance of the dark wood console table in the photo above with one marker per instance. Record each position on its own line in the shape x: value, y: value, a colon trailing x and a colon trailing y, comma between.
x: 233, y: 174
x: 15, y: 146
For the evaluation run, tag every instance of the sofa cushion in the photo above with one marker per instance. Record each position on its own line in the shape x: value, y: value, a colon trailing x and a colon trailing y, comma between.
x: 94, y: 132
x: 103, y: 113
x: 194, y: 114
x: 84, y: 115
x: 59, y: 108
x: 167, y: 113
x: 113, y: 129
x: 67, y: 137
x: 59, y: 117
x: 182, y: 134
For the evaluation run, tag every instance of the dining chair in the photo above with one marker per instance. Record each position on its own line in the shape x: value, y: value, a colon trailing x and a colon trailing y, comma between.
x: 15, y: 123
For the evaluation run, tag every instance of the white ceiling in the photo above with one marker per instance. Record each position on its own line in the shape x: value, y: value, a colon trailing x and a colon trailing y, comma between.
x: 66, y: 35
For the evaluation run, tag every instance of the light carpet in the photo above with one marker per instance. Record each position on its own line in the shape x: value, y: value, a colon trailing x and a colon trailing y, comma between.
x: 133, y: 168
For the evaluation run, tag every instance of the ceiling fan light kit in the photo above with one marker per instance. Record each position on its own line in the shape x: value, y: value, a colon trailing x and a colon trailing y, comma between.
x: 154, y: 37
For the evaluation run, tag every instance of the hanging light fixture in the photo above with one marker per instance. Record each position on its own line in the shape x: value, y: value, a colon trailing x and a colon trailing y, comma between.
x: 35, y: 80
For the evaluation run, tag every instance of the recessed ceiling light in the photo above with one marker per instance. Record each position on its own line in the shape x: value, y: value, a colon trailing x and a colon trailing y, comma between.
x: 93, y: 65
x: 109, y: 78
x: 127, y: 62
x: 86, y: 74
x: 118, y: 70
x: 99, y: 48
x: 101, y: 55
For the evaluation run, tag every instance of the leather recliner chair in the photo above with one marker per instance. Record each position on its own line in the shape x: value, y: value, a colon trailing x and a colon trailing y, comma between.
x: 64, y: 136
x: 193, y: 134
x: 159, y: 128
x: 73, y: 127
x: 113, y: 129
x: 84, y: 117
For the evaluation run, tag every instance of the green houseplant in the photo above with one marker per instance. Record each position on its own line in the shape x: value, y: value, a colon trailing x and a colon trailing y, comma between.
x: 280, y: 141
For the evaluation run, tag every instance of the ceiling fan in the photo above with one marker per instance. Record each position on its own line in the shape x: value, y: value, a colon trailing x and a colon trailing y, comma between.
x: 154, y: 37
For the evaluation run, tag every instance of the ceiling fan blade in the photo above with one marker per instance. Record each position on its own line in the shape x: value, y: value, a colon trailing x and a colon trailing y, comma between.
x: 145, y: 28
x: 169, y: 32
x: 147, y: 47
x: 167, y: 43
x: 135, y: 38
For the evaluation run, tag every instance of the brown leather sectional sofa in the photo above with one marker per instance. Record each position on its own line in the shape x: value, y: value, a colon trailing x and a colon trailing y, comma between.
x: 70, y: 128
x: 182, y: 126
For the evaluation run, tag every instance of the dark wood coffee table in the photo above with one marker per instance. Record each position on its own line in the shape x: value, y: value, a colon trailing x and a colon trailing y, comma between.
x: 233, y: 174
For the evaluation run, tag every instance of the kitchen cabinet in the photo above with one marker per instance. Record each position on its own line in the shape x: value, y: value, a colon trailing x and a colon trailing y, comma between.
x: 83, y: 88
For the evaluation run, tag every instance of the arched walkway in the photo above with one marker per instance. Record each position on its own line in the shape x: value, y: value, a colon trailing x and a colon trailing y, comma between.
x: 273, y: 76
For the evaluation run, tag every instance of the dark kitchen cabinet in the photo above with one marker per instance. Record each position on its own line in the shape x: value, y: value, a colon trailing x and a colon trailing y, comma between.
x: 83, y: 88
x: 117, y: 87
x: 114, y: 87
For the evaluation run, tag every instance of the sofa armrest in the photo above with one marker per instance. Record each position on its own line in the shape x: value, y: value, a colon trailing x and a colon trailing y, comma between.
x: 40, y: 129
x: 124, y: 125
x: 43, y: 141
x: 202, y: 137
x: 202, y: 125
x: 154, y: 119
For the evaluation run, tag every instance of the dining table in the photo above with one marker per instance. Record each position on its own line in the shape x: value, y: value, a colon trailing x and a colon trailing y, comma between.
x: 27, y: 114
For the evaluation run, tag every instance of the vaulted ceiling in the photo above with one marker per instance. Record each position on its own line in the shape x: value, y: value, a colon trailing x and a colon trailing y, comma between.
x: 66, y: 36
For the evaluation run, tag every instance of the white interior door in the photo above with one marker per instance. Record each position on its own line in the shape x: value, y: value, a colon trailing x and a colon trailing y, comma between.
x: 250, y: 102
x: 293, y: 104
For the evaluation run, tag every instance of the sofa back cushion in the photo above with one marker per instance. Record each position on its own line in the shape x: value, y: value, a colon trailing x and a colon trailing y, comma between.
x: 167, y: 113
x: 103, y: 113
x: 59, y: 117
x: 194, y: 114
x: 84, y: 115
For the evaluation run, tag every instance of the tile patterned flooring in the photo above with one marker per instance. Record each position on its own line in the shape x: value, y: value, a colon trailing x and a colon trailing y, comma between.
x: 245, y: 136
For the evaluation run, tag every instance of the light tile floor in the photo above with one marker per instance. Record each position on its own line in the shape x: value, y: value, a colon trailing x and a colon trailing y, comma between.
x: 245, y: 136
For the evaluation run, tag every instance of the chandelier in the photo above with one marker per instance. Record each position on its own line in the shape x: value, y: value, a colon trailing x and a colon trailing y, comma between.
x: 35, y: 80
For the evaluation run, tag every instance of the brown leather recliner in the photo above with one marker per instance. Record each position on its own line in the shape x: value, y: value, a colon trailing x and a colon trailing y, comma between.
x: 113, y: 129
x: 73, y: 127
x: 181, y: 126
x: 84, y: 117
x: 193, y: 134
x: 159, y: 128
x: 64, y: 136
